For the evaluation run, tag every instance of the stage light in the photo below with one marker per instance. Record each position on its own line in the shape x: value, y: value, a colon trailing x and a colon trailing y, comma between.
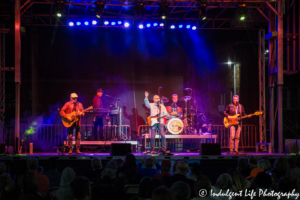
x: 164, y: 10
x: 119, y: 22
x: 161, y: 24
x: 172, y: 26
x: 202, y: 11
x: 155, y: 24
x: 241, y: 12
x: 180, y: 26
x: 86, y: 23
x: 106, y: 22
x: 229, y: 63
x: 113, y: 23
x: 71, y: 23
x: 59, y: 7
x: 188, y: 26
x: 94, y: 22
x: 139, y: 9
x: 194, y: 27
x: 148, y: 25
x: 78, y: 23
x: 141, y: 26
x: 126, y: 24
x: 99, y: 8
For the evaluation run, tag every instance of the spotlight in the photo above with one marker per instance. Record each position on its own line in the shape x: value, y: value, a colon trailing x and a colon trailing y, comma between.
x: 86, y: 23
x: 99, y: 8
x: 71, y: 23
x: 172, y: 26
x: 161, y: 24
x: 141, y: 26
x: 180, y: 26
x: 126, y: 24
x: 194, y: 27
x: 241, y: 12
x: 164, y: 10
x: 155, y: 24
x: 139, y: 9
x: 188, y: 26
x: 59, y: 7
x: 202, y: 11
x: 113, y: 23
x: 148, y: 25
x: 78, y: 23
x: 94, y: 22
x: 106, y: 22
x: 119, y: 22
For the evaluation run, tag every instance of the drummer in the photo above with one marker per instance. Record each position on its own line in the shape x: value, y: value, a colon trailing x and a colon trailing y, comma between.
x: 174, y: 105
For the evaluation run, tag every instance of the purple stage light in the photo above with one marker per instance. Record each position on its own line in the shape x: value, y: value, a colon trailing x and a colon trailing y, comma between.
x: 161, y: 24
x: 106, y: 22
x: 71, y: 23
x: 126, y: 24
x: 141, y: 26
x: 94, y: 22
x: 172, y: 26
x: 194, y: 27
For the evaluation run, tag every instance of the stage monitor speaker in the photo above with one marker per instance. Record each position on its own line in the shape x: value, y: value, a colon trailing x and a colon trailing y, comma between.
x: 210, y: 149
x: 117, y: 149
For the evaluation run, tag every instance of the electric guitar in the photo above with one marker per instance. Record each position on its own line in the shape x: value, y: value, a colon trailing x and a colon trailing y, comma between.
x: 73, y: 117
x: 155, y: 119
x: 235, y: 120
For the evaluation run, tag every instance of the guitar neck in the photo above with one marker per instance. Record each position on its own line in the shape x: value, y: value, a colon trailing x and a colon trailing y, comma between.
x: 162, y: 116
x: 246, y: 116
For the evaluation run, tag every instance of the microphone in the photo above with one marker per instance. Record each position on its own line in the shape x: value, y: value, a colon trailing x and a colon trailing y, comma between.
x: 187, y: 88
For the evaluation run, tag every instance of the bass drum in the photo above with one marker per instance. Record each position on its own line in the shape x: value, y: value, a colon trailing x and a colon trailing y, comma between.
x: 175, y: 126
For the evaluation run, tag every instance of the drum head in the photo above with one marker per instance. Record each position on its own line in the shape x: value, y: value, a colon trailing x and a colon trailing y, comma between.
x: 175, y: 126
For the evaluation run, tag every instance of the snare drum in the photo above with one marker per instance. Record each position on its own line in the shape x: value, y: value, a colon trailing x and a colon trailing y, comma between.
x: 179, y: 110
x: 175, y: 126
x: 169, y: 109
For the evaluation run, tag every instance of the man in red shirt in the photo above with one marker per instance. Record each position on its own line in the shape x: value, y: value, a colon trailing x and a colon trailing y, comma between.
x: 98, y: 119
x: 165, y: 168
x: 42, y: 180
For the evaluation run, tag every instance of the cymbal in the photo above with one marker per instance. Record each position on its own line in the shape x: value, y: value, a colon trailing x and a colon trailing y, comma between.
x: 165, y: 99
x: 185, y: 98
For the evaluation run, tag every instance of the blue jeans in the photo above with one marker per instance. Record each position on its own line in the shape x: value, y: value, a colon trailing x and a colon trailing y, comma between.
x: 161, y: 131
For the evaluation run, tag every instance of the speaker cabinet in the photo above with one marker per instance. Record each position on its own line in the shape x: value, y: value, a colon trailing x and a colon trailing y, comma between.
x: 120, y: 149
x: 210, y: 149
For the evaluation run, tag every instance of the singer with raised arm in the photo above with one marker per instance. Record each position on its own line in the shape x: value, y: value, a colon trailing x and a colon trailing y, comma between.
x: 73, y: 106
x: 157, y: 110
x: 235, y: 111
x: 98, y: 119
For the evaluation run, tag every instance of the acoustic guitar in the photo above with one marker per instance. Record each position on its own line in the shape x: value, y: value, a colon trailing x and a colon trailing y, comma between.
x: 73, y: 117
x: 155, y: 119
x: 235, y: 120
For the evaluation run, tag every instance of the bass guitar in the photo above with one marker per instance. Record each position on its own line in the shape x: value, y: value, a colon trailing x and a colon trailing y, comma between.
x: 73, y: 117
x: 235, y: 120
x: 155, y: 119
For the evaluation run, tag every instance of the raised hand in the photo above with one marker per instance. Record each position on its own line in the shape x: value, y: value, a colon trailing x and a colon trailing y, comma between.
x: 146, y: 93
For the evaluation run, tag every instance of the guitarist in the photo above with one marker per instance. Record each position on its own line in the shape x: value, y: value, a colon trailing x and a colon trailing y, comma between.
x: 68, y: 108
x: 156, y: 109
x: 235, y: 130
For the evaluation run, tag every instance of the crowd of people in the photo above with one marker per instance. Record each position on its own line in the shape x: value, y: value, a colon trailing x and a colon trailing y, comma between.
x: 150, y: 179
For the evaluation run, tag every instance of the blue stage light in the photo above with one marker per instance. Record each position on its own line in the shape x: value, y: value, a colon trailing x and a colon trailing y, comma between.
x: 94, y: 22
x: 188, y: 26
x: 194, y: 27
x: 148, y: 25
x: 141, y: 26
x: 86, y: 23
x: 126, y: 24
x: 155, y: 24
x: 78, y: 23
x: 172, y: 26
x: 71, y: 23
x: 180, y: 26
x: 106, y: 22
x: 119, y: 22
x: 113, y: 23
x: 161, y: 24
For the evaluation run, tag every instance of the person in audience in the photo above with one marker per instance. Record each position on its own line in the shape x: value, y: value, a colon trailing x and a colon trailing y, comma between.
x: 174, y: 165
x: 2, y: 168
x: 65, y: 191
x: 224, y: 183
x: 252, y: 162
x: 53, y: 174
x: 265, y: 165
x: 288, y: 184
x: 149, y: 170
x: 165, y: 168
x: 42, y: 180
x: 119, y: 162
x: 40, y: 170
x: 280, y: 169
x: 195, y: 169
x: 203, y: 184
x: 142, y: 189
x: 162, y: 193
x: 128, y: 173
x: 153, y: 185
x: 262, y: 182
x: 181, y: 191
x: 7, y: 188
x: 182, y: 169
x: 80, y: 187
x: 295, y: 171
x: 239, y: 183
x: 111, y: 165
x: 254, y: 173
x: 95, y: 175
x: 242, y: 164
x: 28, y: 197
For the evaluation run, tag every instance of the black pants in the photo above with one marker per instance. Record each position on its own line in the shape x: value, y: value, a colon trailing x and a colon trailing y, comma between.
x: 98, y: 122
x: 77, y: 136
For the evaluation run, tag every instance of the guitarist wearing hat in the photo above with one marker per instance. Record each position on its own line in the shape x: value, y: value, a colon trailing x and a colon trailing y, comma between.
x: 235, y: 129
x: 69, y: 107
x: 157, y: 109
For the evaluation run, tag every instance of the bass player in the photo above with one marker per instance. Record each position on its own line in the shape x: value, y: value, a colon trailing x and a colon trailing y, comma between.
x: 157, y: 109
x: 69, y: 107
